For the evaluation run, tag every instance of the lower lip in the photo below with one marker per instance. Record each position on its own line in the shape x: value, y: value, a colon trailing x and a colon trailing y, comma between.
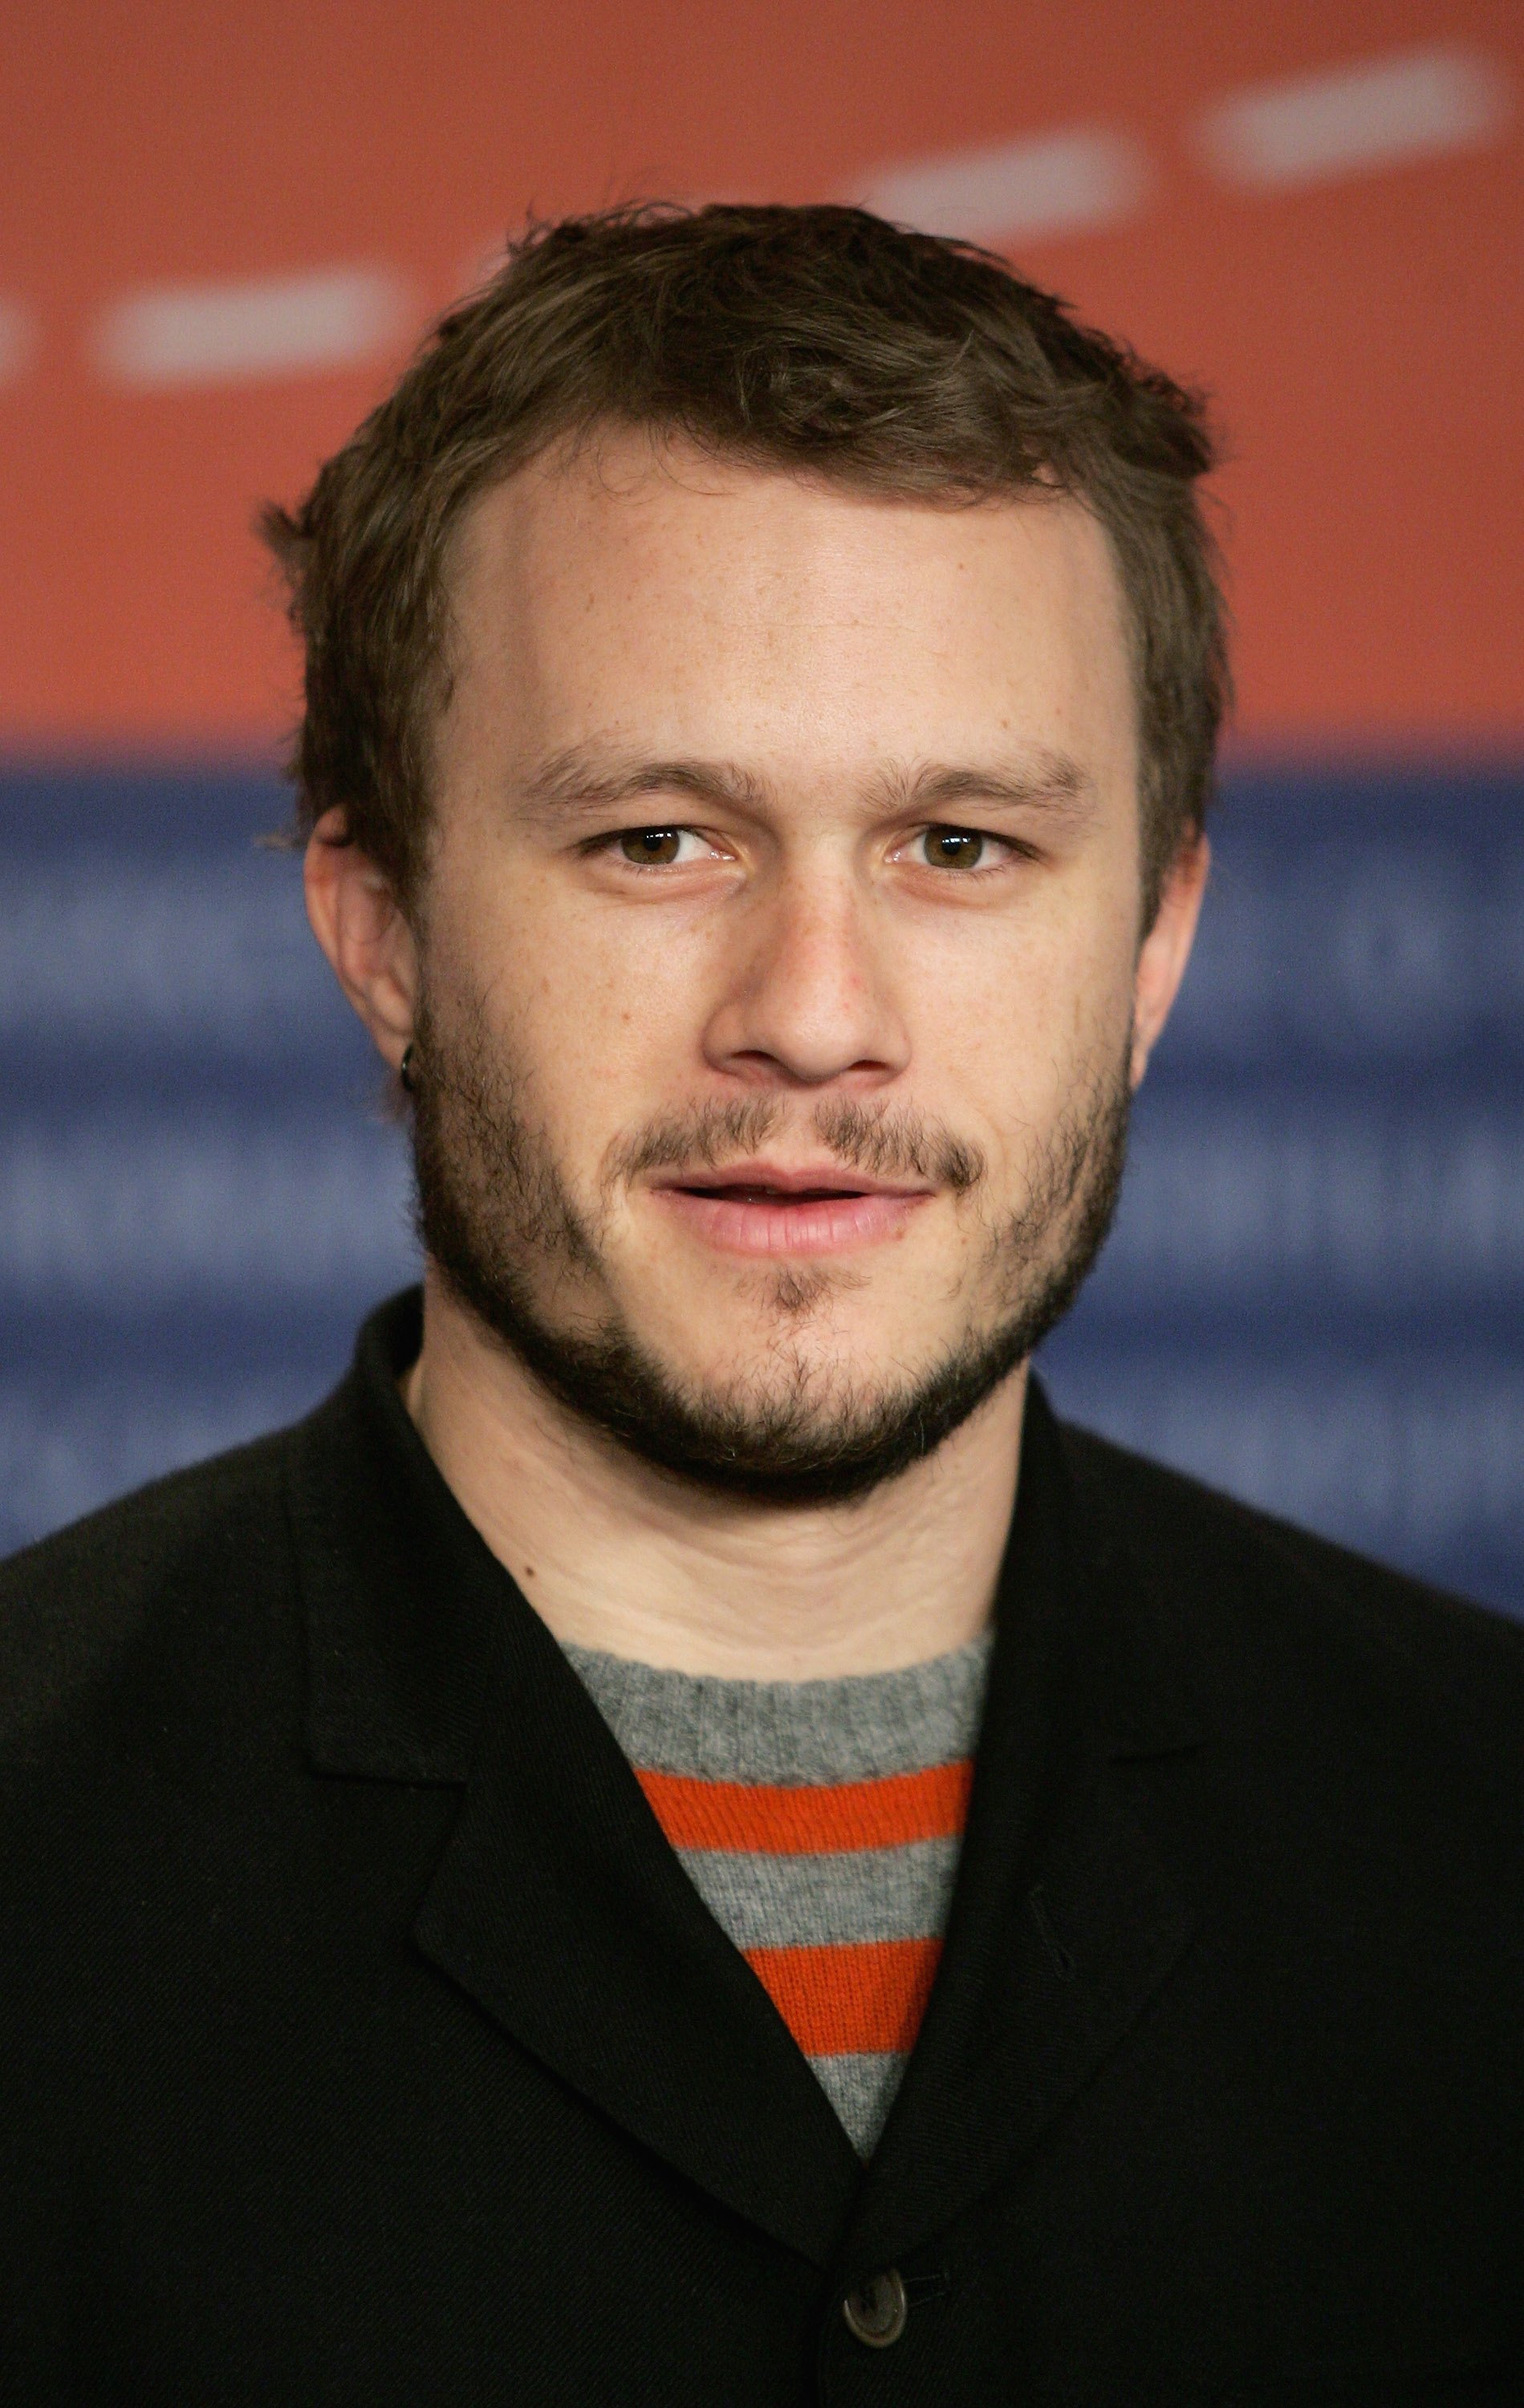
x: 835, y: 1225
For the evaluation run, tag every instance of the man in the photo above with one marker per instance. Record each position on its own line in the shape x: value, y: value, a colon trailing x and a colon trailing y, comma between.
x: 680, y: 1841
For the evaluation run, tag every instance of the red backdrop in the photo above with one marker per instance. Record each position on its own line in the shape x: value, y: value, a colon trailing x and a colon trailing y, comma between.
x: 1362, y: 322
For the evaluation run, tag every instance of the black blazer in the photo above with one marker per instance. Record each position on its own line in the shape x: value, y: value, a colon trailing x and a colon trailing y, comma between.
x: 364, y: 2046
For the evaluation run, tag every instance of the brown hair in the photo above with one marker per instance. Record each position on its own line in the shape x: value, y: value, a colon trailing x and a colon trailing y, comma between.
x: 818, y: 339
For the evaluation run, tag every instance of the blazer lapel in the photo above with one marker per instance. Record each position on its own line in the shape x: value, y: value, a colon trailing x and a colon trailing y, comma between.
x: 558, y: 1906
x: 562, y: 1910
x: 1065, y: 1921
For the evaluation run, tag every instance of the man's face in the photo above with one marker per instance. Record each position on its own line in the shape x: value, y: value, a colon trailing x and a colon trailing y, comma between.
x: 779, y: 951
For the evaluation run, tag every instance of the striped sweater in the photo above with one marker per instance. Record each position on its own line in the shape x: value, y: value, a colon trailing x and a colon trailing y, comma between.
x: 820, y: 1822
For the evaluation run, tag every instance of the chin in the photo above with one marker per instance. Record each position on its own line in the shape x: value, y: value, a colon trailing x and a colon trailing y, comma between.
x: 806, y: 1368
x: 793, y: 1322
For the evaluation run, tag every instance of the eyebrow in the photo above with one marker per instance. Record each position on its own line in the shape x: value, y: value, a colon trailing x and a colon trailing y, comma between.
x: 584, y: 778
x: 1038, y: 777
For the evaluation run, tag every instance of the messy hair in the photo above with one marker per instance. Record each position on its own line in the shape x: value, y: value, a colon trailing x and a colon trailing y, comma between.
x: 817, y: 341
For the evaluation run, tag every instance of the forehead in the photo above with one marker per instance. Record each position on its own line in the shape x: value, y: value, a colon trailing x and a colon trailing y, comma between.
x: 647, y: 588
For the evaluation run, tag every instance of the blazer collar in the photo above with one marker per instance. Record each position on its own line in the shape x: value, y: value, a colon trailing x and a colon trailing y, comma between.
x: 559, y: 1908
x: 1065, y: 1920
x: 407, y: 1606
x: 557, y: 1905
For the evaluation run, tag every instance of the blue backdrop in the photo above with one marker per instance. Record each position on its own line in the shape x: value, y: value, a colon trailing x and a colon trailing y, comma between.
x: 1313, y: 1296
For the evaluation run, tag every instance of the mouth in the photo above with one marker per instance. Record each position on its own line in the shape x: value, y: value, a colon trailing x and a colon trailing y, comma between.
x: 775, y: 1209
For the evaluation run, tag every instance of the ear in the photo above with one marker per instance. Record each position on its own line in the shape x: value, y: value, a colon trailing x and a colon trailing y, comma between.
x: 360, y: 924
x: 1166, y: 949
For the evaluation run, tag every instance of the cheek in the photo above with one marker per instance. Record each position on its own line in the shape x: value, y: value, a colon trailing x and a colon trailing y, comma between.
x: 597, y: 1020
x: 1022, y: 1027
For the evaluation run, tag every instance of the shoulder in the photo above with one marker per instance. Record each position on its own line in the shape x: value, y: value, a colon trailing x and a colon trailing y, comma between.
x: 178, y: 1576
x: 1280, y: 1629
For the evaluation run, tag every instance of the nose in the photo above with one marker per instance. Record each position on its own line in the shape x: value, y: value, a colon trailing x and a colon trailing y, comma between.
x: 806, y: 998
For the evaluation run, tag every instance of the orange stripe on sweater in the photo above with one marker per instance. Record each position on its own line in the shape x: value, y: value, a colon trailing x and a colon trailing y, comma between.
x: 931, y: 1805
x: 866, y: 1996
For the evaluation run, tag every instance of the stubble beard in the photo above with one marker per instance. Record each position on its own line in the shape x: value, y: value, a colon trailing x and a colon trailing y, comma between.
x: 500, y: 1227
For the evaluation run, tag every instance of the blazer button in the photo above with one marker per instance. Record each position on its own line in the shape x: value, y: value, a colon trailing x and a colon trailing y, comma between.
x: 874, y: 2314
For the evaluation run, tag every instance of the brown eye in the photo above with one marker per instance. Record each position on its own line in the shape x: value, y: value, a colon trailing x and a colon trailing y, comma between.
x: 953, y: 848
x: 651, y: 848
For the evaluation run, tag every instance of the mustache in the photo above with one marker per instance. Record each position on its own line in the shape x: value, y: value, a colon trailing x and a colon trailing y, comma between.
x: 883, y: 1141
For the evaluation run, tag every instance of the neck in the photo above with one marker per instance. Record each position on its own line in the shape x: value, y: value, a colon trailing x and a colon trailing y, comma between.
x: 616, y: 1555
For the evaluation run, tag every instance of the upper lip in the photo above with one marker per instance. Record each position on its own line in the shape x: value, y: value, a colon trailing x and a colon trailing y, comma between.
x: 791, y: 1178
